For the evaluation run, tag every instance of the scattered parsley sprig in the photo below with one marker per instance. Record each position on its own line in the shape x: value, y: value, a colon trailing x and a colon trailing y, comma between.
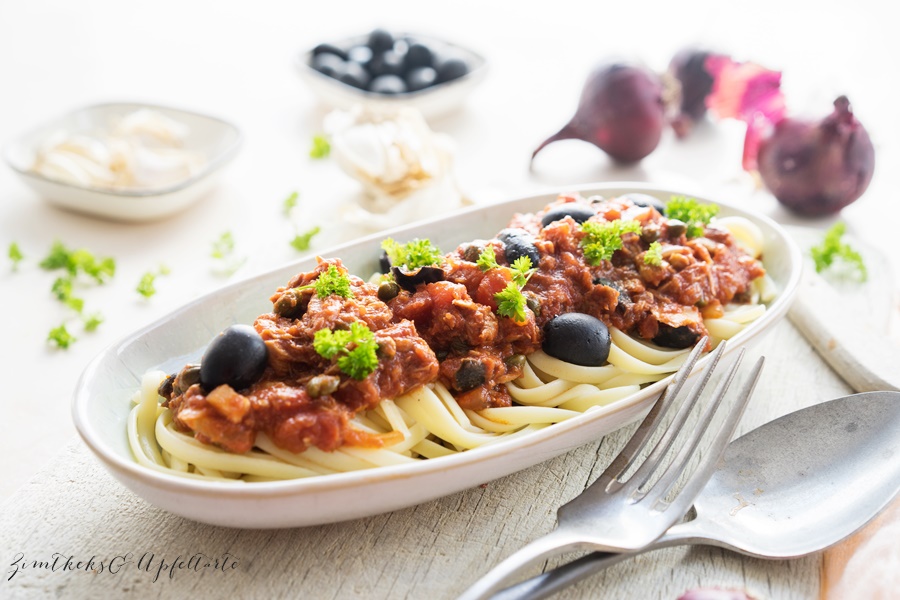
x: 223, y: 249
x: 833, y: 248
x: 321, y: 148
x: 290, y: 203
x: 413, y: 254
x: 332, y: 281
x: 601, y: 240
x: 653, y: 255
x: 511, y: 301
x: 146, y: 287
x: 302, y: 241
x: 355, y: 349
x: 692, y: 213
x: 15, y: 255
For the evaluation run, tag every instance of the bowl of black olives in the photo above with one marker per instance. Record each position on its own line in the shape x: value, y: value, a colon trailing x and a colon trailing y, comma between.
x: 385, y: 70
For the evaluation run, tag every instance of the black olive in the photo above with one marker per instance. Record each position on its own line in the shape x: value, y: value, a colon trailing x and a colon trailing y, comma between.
x: 167, y: 387
x: 388, y: 291
x: 518, y: 243
x: 384, y: 262
x: 579, y: 213
x: 578, y: 339
x: 355, y: 74
x: 675, y: 337
x: 188, y: 376
x: 387, y: 84
x: 380, y: 40
x: 329, y: 49
x: 646, y: 200
x: 420, y: 78
x: 360, y: 54
x: 470, y: 375
x: 329, y: 64
x: 418, y: 55
x: 236, y: 357
x: 408, y: 280
x: 451, y: 69
x: 388, y: 63
x: 624, y: 298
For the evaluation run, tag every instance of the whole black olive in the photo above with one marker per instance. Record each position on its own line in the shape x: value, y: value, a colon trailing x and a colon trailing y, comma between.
x: 236, y: 357
x: 387, y: 84
x: 450, y: 69
x: 646, y: 200
x: 408, y: 280
x: 380, y: 40
x: 420, y: 78
x: 328, y: 64
x: 675, y: 337
x: 355, y: 74
x: 329, y: 49
x: 518, y: 243
x: 418, y: 55
x: 470, y: 375
x: 579, y: 213
x: 578, y: 339
x: 388, y: 63
x: 360, y: 54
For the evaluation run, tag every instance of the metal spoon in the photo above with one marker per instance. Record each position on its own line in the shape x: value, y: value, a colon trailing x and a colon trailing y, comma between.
x: 794, y: 486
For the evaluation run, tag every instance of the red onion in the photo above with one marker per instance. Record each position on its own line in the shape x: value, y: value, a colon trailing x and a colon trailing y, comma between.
x: 817, y: 168
x: 621, y: 111
x: 691, y: 69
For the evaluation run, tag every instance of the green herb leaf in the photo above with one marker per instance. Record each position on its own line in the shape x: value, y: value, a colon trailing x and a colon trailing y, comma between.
x: 522, y: 270
x: 81, y: 260
x: 413, y: 254
x: 145, y: 286
x: 332, y: 281
x: 223, y: 246
x: 290, y: 203
x: 653, y: 255
x: 487, y: 260
x: 60, y: 337
x: 321, y: 148
x: 832, y: 248
x: 58, y: 258
x: 92, y: 321
x: 511, y: 302
x: 601, y: 240
x: 692, y: 213
x: 15, y: 255
x: 356, y: 349
x: 301, y: 241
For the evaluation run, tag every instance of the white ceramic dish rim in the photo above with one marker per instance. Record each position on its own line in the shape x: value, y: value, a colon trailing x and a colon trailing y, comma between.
x: 211, y: 166
x: 475, y: 72
x: 128, y: 467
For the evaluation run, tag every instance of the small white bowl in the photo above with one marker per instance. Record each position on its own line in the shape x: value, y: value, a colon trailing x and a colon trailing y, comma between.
x: 218, y: 140
x: 101, y: 401
x: 432, y: 102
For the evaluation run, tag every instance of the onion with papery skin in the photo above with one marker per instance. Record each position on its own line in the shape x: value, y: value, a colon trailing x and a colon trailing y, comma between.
x: 817, y: 168
x: 621, y: 111
x: 689, y: 67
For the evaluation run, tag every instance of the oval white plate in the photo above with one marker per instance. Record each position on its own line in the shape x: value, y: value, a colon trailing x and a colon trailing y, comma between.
x: 218, y: 140
x: 432, y: 102
x: 101, y: 401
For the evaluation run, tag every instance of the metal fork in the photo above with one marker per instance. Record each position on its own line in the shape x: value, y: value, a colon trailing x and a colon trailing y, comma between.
x: 616, y: 514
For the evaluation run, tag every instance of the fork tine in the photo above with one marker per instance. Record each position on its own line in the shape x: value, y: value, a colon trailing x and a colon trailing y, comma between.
x: 633, y: 448
x: 655, y: 459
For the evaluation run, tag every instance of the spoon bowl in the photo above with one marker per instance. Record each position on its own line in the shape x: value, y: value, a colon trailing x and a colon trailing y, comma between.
x: 794, y: 486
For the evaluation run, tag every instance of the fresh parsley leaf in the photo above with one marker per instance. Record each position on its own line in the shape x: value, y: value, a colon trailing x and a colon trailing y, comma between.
x: 653, y: 255
x: 58, y: 258
x: 62, y: 288
x: 601, y: 240
x: 413, y: 254
x: 301, y: 241
x: 92, y: 321
x: 522, y: 270
x: 356, y: 349
x: 832, y: 248
x: 487, y: 260
x: 290, y: 203
x: 60, y: 337
x: 145, y: 286
x: 511, y: 302
x: 76, y: 304
x: 15, y: 255
x: 332, y: 281
x: 692, y: 213
x: 223, y: 246
x: 81, y: 260
x: 321, y: 148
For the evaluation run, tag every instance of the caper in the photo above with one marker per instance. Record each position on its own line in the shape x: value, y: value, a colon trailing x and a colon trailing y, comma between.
x: 471, y: 253
x: 388, y: 290
x: 516, y: 361
x: 650, y: 232
x: 322, y: 385
x: 291, y: 304
x: 188, y: 376
x: 533, y: 302
x: 167, y: 387
x: 676, y: 228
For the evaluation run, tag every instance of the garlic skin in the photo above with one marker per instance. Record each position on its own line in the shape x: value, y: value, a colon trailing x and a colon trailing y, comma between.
x: 142, y: 150
x: 404, y: 167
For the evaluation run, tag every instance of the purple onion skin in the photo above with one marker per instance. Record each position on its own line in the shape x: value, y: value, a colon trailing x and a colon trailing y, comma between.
x: 715, y: 594
x: 818, y: 168
x: 688, y: 67
x: 621, y: 111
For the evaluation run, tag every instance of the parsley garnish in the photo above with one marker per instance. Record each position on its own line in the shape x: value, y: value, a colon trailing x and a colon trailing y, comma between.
x: 511, y: 302
x: 692, y: 213
x: 223, y: 250
x: 301, y: 241
x: 81, y: 260
x: 92, y: 321
x: 522, y: 270
x: 289, y: 203
x: 653, y: 255
x: 332, y: 281
x: 320, y: 147
x: 601, y: 240
x: 487, y: 260
x: 15, y: 255
x: 60, y: 337
x: 145, y: 286
x: 833, y: 248
x: 413, y: 254
x: 356, y: 349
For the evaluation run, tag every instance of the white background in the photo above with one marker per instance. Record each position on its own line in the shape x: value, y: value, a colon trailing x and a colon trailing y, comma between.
x: 234, y: 60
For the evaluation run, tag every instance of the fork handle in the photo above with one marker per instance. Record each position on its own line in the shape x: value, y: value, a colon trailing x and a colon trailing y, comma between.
x: 555, y: 542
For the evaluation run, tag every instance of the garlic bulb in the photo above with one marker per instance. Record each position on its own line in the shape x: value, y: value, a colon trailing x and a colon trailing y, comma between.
x: 404, y: 167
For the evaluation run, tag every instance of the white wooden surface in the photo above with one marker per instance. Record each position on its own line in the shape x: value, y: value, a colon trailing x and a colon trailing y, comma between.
x: 429, y: 551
